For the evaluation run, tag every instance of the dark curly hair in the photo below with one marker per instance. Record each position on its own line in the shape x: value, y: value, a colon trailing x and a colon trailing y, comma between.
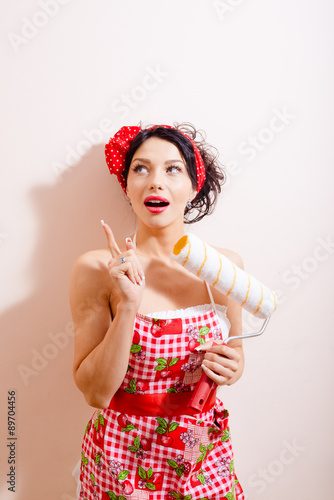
x: 205, y: 201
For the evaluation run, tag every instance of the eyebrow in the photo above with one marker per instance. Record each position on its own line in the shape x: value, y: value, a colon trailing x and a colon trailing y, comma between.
x: 149, y: 161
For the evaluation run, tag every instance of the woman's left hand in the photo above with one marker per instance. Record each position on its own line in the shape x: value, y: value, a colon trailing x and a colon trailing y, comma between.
x: 222, y: 363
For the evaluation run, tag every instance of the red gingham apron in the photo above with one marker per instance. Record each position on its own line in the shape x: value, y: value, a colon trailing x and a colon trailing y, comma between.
x: 148, y: 444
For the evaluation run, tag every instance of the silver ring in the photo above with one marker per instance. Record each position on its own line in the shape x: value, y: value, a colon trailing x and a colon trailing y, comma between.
x: 122, y: 260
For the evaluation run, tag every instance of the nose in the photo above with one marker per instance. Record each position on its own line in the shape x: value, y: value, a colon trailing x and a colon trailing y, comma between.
x: 156, y: 180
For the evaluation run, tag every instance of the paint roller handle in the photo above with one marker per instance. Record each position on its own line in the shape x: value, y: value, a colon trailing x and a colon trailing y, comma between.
x: 202, y: 392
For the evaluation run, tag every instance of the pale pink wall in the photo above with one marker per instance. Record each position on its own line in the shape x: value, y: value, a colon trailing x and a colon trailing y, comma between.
x: 232, y: 71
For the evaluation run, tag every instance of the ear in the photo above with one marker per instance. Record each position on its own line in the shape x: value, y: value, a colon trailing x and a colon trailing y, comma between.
x: 192, y: 194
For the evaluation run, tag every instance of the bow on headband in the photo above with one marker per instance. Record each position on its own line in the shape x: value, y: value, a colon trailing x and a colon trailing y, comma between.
x: 119, y: 145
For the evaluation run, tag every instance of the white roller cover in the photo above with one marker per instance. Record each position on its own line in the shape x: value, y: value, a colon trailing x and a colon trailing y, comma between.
x: 201, y: 259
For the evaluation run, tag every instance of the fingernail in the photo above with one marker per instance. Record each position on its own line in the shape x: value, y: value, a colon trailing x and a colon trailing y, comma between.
x: 128, y: 240
x: 198, y: 348
x: 102, y: 222
x: 142, y: 277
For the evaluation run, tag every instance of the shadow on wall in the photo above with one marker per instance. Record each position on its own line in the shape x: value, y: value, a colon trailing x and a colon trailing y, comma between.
x: 51, y: 413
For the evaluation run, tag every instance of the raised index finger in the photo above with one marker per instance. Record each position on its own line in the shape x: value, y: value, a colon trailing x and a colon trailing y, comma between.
x: 112, y: 245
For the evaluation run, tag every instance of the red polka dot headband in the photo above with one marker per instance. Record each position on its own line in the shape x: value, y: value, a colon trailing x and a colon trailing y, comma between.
x: 119, y: 145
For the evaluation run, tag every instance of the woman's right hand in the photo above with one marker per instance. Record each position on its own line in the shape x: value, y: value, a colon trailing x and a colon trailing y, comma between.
x: 127, y: 277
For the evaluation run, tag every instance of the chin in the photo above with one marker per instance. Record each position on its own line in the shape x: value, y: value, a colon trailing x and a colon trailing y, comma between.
x: 160, y: 220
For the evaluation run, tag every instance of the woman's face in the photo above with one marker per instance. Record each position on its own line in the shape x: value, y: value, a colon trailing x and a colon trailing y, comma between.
x: 158, y: 183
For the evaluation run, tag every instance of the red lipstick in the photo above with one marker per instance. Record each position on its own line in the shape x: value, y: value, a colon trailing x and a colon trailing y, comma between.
x: 156, y: 204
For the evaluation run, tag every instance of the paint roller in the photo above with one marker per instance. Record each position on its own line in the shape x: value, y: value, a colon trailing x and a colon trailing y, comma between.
x: 210, y: 265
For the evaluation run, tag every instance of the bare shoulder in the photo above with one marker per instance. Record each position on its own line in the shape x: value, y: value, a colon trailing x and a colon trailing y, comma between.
x: 232, y: 256
x: 95, y: 261
x: 90, y: 271
x: 91, y: 268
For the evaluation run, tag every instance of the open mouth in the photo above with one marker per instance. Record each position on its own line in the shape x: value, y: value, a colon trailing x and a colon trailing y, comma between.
x: 156, y: 204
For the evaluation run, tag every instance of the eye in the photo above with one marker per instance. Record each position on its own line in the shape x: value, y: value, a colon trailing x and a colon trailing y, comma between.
x: 174, y: 168
x: 139, y: 168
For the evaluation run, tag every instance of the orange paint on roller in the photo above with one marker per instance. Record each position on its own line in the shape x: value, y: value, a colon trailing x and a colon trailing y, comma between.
x: 204, y: 261
x: 180, y: 245
x: 219, y: 271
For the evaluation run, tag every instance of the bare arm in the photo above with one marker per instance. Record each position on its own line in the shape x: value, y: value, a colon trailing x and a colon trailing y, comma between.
x: 102, y: 345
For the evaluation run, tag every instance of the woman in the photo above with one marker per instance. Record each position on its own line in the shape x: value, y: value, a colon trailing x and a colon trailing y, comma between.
x: 137, y: 366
